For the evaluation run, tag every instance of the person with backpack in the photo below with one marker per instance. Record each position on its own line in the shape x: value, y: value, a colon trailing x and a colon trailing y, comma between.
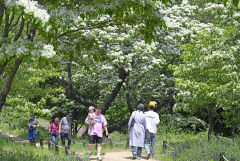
x: 152, y: 120
x: 96, y: 134
x: 136, y: 130
x: 32, y: 131
x: 54, y: 129
x: 65, y: 129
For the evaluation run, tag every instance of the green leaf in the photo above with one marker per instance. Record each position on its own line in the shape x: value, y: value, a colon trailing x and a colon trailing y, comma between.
x: 235, y: 2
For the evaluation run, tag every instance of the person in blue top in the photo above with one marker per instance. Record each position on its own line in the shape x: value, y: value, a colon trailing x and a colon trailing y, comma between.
x: 32, y: 131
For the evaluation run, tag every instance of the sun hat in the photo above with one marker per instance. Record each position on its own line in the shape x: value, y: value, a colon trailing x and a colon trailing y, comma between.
x: 91, y: 108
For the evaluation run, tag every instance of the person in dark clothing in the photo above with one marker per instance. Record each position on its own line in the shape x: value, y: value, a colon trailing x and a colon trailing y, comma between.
x: 32, y: 131
x: 65, y: 129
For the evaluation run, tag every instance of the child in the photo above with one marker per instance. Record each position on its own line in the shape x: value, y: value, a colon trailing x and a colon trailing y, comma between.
x: 91, y: 117
x: 33, y: 124
x: 54, y: 129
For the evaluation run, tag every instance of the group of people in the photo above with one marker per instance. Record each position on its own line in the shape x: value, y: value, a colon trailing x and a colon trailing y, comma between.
x: 62, y: 128
x: 142, y: 128
x: 57, y: 128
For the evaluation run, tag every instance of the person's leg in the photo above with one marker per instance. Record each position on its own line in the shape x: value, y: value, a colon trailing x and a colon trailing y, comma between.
x: 134, y: 152
x: 69, y: 139
x: 139, y: 152
x: 53, y: 139
x: 153, y: 143
x: 147, y: 142
x: 63, y: 138
x: 99, y: 142
x: 91, y: 142
x: 57, y: 137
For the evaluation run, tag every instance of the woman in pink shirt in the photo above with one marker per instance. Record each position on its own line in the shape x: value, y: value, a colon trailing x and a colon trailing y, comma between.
x: 54, y: 129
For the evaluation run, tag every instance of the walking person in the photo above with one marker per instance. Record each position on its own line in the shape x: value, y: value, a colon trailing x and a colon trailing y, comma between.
x: 54, y: 129
x: 65, y: 129
x: 96, y: 133
x: 152, y: 120
x: 32, y: 131
x: 136, y: 129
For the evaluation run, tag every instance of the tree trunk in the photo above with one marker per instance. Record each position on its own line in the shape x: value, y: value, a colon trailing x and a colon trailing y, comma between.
x: 5, y: 92
x: 235, y: 122
x: 1, y: 12
x: 210, y: 119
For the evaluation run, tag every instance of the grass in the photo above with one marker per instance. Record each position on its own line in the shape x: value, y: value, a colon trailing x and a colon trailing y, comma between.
x: 185, y: 146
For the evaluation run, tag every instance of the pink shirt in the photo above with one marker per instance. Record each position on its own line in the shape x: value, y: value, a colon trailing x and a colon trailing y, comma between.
x: 54, y: 127
x: 100, y: 123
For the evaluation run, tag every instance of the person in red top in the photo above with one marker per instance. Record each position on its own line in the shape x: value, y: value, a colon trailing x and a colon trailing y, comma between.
x: 54, y: 129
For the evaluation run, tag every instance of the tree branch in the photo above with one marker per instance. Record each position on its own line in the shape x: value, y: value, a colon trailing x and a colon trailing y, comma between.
x: 5, y: 92
x: 2, y: 8
x: 73, y: 94
x: 98, y: 25
x: 2, y: 66
x: 20, y: 30
x: 16, y: 22
x: 122, y: 75
x: 69, y: 74
x: 6, y: 29
x: 118, y: 125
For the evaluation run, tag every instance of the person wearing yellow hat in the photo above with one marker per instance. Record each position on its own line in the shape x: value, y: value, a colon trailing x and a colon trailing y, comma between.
x: 152, y: 120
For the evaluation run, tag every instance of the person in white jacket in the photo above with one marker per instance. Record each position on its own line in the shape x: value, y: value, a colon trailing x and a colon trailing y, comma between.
x: 152, y: 120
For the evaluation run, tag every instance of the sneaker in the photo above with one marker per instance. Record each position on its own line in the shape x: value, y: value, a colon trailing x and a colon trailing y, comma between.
x: 148, y: 156
x: 99, y: 158
x: 151, y: 157
x: 134, y: 155
x: 138, y: 158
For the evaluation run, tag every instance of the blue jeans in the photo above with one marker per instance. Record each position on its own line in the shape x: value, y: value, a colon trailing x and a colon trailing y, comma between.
x: 139, y: 151
x: 32, y: 135
x: 150, y: 138
x: 55, y: 138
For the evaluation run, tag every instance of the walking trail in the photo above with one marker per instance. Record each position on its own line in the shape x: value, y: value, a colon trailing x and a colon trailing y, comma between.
x: 121, y: 156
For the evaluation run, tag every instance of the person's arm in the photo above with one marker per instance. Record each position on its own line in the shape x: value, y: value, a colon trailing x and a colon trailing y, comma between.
x: 157, y: 119
x: 106, y: 129
x: 130, y: 122
x: 89, y: 123
x: 60, y: 127
x: 49, y: 131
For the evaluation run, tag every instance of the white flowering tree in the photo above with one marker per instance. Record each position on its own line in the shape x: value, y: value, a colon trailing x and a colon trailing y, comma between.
x: 208, y: 76
x: 43, y: 28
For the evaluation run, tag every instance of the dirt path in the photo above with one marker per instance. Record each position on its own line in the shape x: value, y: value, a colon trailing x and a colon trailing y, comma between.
x: 121, y: 156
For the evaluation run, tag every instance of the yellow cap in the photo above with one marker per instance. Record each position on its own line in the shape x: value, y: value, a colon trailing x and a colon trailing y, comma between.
x: 152, y: 104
